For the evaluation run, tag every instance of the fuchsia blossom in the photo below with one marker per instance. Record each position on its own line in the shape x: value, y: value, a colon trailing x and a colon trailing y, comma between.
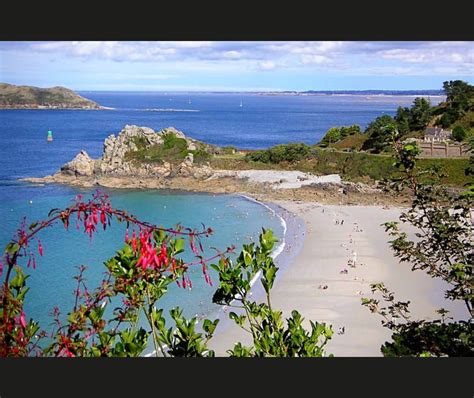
x: 126, y: 236
x: 40, y: 248
x: 103, y: 218
x: 134, y: 241
x: 22, y: 319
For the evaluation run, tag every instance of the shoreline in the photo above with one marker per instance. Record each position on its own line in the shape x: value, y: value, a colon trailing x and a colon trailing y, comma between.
x: 327, y: 192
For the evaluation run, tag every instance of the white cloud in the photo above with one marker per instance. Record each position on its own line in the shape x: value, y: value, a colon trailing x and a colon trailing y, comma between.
x: 314, y: 59
x: 266, y: 65
x: 402, y: 58
x: 232, y: 54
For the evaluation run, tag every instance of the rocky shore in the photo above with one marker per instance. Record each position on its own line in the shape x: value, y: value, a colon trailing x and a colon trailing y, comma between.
x: 118, y: 169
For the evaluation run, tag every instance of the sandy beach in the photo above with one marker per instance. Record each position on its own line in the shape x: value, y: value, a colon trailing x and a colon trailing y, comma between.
x: 310, y: 278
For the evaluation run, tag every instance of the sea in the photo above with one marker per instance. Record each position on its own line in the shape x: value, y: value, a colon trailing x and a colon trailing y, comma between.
x: 247, y: 121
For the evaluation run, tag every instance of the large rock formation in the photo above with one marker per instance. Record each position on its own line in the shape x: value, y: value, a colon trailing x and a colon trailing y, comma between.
x: 115, y: 162
x: 81, y: 165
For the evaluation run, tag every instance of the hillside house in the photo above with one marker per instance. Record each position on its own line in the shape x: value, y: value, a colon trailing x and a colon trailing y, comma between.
x: 437, y: 134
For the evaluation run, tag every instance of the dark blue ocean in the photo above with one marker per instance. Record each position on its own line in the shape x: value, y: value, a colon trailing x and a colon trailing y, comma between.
x: 260, y: 122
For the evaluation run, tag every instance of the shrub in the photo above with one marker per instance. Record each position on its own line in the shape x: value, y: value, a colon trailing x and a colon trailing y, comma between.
x: 459, y: 134
x: 281, y: 153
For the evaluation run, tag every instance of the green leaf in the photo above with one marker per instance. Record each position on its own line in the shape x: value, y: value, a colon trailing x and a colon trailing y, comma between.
x: 12, y: 248
x: 247, y: 258
x: 179, y: 245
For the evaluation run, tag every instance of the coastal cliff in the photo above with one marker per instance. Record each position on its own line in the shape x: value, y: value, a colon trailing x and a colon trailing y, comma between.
x: 28, y: 97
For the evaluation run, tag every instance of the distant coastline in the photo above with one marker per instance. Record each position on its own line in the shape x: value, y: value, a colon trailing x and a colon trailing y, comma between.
x: 29, y: 97
x: 379, y: 93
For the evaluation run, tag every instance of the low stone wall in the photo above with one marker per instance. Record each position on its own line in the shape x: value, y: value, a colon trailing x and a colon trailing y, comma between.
x: 443, y: 150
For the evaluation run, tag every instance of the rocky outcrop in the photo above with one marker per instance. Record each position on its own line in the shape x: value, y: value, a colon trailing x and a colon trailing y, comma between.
x: 81, y: 165
x: 115, y: 162
x: 115, y: 148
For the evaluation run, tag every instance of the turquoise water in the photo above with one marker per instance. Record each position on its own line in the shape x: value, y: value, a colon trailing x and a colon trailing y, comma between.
x: 234, y: 219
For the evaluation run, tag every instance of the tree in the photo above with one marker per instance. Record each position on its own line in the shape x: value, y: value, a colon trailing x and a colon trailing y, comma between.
x: 420, y: 114
x: 402, y: 118
x: 380, y: 133
x: 459, y: 95
x: 332, y: 136
x: 448, y: 117
x: 444, y: 249
x: 459, y: 134
x: 347, y: 131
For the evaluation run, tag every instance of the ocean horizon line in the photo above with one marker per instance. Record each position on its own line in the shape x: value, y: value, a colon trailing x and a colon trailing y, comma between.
x: 431, y: 92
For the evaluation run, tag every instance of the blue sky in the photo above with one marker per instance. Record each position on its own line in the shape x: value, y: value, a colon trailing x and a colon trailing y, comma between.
x: 236, y: 66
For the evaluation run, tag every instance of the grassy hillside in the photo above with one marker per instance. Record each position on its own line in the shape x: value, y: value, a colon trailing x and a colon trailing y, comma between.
x: 352, y: 142
x: 352, y: 166
x: 12, y: 96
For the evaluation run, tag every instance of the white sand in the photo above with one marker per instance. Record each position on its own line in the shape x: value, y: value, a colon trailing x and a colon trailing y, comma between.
x: 280, y: 179
x: 326, y: 251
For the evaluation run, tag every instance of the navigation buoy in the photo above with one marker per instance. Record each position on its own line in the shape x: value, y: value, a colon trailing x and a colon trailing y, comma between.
x: 50, y: 136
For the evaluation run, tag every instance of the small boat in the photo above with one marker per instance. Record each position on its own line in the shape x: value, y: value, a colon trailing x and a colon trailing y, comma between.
x: 50, y: 136
x: 241, y: 105
x: 190, y: 100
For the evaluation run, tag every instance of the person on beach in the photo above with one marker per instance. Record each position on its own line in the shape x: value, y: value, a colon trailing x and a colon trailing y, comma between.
x: 354, y: 258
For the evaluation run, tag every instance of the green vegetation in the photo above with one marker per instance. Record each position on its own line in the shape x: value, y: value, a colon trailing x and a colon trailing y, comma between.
x: 459, y: 101
x: 281, y: 153
x: 352, y: 166
x: 172, y: 150
x: 229, y: 150
x: 265, y: 324
x: 466, y: 122
x: 379, y: 134
x: 352, y: 143
x: 456, y: 113
x: 459, y: 134
x: 337, y: 134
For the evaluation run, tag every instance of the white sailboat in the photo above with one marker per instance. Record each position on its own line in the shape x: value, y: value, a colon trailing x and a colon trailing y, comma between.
x: 241, y: 105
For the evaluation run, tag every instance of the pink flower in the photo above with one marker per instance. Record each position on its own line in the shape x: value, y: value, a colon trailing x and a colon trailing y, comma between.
x: 126, y: 236
x: 95, y: 219
x: 1, y: 269
x: 102, y: 217
x: 40, y: 248
x: 193, y: 246
x: 22, y: 319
